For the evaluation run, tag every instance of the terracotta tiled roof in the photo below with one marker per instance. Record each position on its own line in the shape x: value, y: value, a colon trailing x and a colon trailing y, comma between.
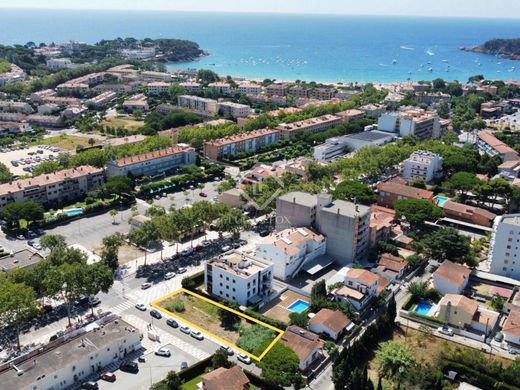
x: 241, y: 137
x: 467, y: 210
x: 491, y: 140
x: 152, y: 155
x: 393, y: 262
x: 460, y: 302
x: 366, y: 277
x: 404, y: 190
x: 225, y: 379
x: 332, y: 319
x: 512, y: 323
x: 349, y: 293
x: 301, y: 341
x: 383, y: 282
x: 454, y: 273
x: 289, y: 240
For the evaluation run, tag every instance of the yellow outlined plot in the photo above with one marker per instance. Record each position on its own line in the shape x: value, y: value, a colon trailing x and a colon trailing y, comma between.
x: 280, y: 332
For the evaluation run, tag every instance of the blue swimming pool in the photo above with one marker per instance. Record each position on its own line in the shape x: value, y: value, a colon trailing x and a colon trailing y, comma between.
x: 440, y: 200
x: 423, y: 308
x: 73, y: 212
x: 298, y: 306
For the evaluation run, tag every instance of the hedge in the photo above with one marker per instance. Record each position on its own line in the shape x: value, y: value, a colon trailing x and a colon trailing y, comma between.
x: 476, y: 377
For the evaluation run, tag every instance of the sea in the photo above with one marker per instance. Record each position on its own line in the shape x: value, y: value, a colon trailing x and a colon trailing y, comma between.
x: 324, y: 48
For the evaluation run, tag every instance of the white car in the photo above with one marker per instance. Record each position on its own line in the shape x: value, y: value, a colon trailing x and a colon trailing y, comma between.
x: 2, y: 249
x: 445, y: 330
x: 163, y: 352
x: 187, y: 252
x: 244, y: 358
x: 225, y: 248
x: 169, y: 275
x: 185, y: 329
x: 146, y: 285
x: 140, y: 306
x: 197, y: 335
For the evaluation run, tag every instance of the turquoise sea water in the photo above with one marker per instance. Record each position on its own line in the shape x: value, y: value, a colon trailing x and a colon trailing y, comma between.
x: 282, y: 46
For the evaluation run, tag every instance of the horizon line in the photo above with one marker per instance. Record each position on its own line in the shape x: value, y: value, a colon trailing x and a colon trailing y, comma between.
x: 258, y: 12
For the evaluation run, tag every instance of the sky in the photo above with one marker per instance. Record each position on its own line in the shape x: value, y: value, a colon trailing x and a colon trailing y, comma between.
x: 450, y: 8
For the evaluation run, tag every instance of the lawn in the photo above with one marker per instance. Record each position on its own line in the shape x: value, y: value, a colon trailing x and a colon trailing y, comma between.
x: 233, y: 328
x: 69, y: 142
x: 122, y: 122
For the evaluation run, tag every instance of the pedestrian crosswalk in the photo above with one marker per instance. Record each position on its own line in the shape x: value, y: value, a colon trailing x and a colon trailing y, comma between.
x: 164, y: 338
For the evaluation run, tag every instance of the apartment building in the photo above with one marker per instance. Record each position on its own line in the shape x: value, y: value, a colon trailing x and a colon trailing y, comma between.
x: 239, y: 277
x: 202, y: 106
x: 239, y: 143
x: 490, y: 145
x: 412, y: 121
x: 381, y: 223
x: 49, y: 109
x: 504, y: 248
x: 149, y: 75
x: 373, y: 110
x: 59, y: 63
x: 11, y: 117
x: 14, y: 128
x: 299, y: 91
x: 221, y: 88
x: 190, y: 87
x: 53, y: 188
x: 233, y: 110
x: 152, y: 163
x: 118, y: 88
x: 338, y: 146
x: 72, y: 358
x: 81, y: 84
x: 142, y: 53
x: 322, y: 93
x: 350, y: 115
x: 313, y: 125
x: 344, y: 224
x: 138, y: 102
x: 38, y: 96
x: 391, y: 191
x: 158, y: 87
x: 101, y: 100
x: 18, y: 107
x: 45, y: 120
x: 276, y: 90
x: 250, y: 89
x: 423, y: 165
x: 468, y: 213
x: 290, y: 249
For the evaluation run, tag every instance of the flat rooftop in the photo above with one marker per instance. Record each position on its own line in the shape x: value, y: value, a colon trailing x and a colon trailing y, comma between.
x: 239, y: 264
x: 369, y: 136
x: 300, y: 198
x: 347, y: 209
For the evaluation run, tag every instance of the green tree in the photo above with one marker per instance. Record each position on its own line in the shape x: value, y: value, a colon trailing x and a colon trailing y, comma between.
x: 299, y: 319
x: 99, y: 278
x: 118, y: 185
x: 497, y: 302
x: 46, y: 167
x: 110, y: 253
x: 234, y: 222
x: 418, y: 290
x: 16, y: 212
x: 462, y: 182
x: 144, y: 236
x: 206, y: 76
x: 52, y: 241
x: 394, y: 359
x: 355, y: 191
x: 448, y: 243
x: 280, y: 366
x: 5, y: 174
x: 220, y: 359
x: 417, y: 211
x: 17, y: 305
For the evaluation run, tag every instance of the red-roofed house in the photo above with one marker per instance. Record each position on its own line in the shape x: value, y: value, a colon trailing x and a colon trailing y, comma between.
x: 391, y: 191
x: 511, y: 328
x: 307, y: 345
x: 451, y: 278
x: 225, y: 379
x: 391, y: 267
x: 329, y: 322
x: 360, y: 287
x: 489, y: 144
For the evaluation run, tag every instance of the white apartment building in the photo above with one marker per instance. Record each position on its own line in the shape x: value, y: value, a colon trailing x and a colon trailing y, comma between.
x: 233, y: 110
x: 53, y: 188
x: 101, y: 100
x: 290, y: 249
x: 416, y: 121
x: 136, y: 102
x: 345, y: 224
x: 221, y: 87
x: 158, y: 87
x: 423, y: 165
x: 152, y: 163
x: 239, y: 277
x: 337, y: 146
x: 360, y: 287
x: 59, y: 63
x: 69, y: 360
x: 20, y: 107
x: 250, y: 89
x: 203, y: 106
x: 190, y: 86
x: 143, y: 53
x: 504, y: 249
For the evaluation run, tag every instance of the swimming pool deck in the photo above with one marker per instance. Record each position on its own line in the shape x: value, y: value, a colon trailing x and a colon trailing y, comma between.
x: 278, y: 309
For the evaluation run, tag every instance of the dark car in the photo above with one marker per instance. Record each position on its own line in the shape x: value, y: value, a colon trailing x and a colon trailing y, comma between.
x: 171, y: 322
x: 203, y: 194
x: 90, y: 385
x: 131, y: 367
x: 83, y: 300
x: 263, y: 232
x: 156, y: 314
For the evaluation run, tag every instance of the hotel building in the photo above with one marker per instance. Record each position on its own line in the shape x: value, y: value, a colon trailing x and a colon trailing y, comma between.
x: 234, y: 144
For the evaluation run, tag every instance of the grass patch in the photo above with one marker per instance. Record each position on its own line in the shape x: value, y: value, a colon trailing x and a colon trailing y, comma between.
x: 121, y: 122
x: 5, y: 66
x: 70, y: 142
x: 237, y: 330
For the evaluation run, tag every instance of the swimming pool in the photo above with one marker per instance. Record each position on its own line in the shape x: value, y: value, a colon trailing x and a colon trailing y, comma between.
x: 73, y: 212
x: 423, y: 308
x: 440, y: 200
x: 298, y: 306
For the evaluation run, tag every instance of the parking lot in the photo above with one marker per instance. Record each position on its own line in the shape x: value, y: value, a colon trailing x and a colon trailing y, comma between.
x: 22, y: 161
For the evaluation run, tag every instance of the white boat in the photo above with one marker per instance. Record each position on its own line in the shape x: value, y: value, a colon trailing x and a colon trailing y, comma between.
x: 430, y: 69
x: 430, y: 53
x: 445, y: 61
x: 407, y: 48
x: 394, y: 61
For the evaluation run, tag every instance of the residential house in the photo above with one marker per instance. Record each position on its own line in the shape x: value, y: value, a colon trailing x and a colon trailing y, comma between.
x: 390, y: 191
x: 489, y: 144
x: 511, y: 327
x: 329, y: 322
x: 391, y: 267
x: 381, y: 223
x: 451, y: 278
x: 307, y: 346
x: 360, y: 288
x: 225, y: 379
x: 464, y: 313
x: 469, y: 214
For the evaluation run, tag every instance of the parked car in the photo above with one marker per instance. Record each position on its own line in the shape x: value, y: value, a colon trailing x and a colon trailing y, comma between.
x: 263, y: 232
x: 197, y: 335
x: 108, y: 376
x: 171, y: 322
x: 184, y: 365
x: 82, y: 300
x: 90, y: 386
x: 181, y: 270
x: 205, y: 244
x: 35, y: 244
x: 445, y: 330
x: 163, y: 352
x: 203, y: 194
x: 242, y: 357
x: 140, y: 306
x: 94, y: 301
x: 226, y: 248
x: 227, y: 350
x: 169, y: 275
x: 146, y: 285
x: 156, y: 314
x: 185, y: 329
x: 131, y: 367
x: 187, y: 251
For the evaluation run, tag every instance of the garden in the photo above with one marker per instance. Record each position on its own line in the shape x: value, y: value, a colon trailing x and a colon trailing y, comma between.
x: 227, y: 324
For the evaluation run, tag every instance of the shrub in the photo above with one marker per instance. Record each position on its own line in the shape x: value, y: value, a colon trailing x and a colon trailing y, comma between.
x: 252, y: 337
x: 176, y: 306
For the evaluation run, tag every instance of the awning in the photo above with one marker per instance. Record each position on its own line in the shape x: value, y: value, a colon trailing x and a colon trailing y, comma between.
x: 317, y: 264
